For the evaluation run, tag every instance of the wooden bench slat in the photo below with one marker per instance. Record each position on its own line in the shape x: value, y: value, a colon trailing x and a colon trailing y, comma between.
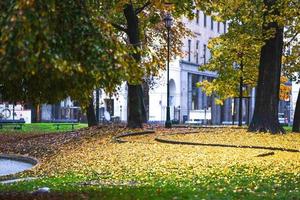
x: 59, y: 124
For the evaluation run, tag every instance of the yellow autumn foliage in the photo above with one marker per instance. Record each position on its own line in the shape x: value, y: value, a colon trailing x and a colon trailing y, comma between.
x: 142, y: 157
x: 285, y: 90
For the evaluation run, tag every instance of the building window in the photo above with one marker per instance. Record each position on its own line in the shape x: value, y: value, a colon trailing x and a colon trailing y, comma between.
x: 109, y: 106
x: 209, y: 99
x: 211, y: 23
x: 199, y: 100
x: 204, y: 53
x: 197, y: 17
x: 197, y: 51
x: 218, y: 27
x: 209, y: 54
x: 204, y: 20
x: 195, y: 92
x: 189, y: 50
x: 224, y: 27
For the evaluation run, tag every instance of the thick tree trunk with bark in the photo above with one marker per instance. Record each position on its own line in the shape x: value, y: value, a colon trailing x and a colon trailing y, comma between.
x: 35, y: 112
x: 146, y: 100
x: 90, y: 114
x: 296, y: 122
x: 265, y: 117
x: 135, y: 119
x: 136, y: 107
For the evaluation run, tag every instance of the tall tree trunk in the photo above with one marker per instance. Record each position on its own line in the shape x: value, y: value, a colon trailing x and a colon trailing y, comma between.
x: 265, y: 117
x: 34, y: 111
x: 90, y: 113
x: 296, y: 122
x: 38, y: 113
x: 97, y: 105
x: 136, y: 107
x: 135, y: 119
x: 146, y: 100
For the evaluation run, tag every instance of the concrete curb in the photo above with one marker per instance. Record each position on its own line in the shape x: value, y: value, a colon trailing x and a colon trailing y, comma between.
x: 119, y: 137
x: 160, y: 139
x: 21, y: 158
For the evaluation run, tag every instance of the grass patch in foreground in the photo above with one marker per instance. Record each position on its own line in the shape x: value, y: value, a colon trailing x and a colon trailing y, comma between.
x: 288, y: 128
x: 41, y: 128
x: 234, y: 185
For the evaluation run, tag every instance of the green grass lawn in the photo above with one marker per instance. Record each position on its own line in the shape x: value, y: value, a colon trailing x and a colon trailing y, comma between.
x: 288, y: 128
x: 236, y: 184
x: 41, y: 128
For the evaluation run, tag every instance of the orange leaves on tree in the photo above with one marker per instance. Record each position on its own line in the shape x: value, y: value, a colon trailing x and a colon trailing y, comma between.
x: 285, y: 90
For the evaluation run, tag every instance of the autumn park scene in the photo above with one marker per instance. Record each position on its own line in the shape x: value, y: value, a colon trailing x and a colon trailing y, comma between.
x: 149, y: 99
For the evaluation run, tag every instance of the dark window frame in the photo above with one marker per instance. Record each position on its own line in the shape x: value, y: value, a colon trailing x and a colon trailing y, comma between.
x: 189, y: 50
x: 197, y: 16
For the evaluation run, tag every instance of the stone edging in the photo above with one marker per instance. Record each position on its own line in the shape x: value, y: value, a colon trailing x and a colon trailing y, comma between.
x: 118, y: 138
x: 22, y: 158
x: 159, y: 139
x: 207, y: 126
x: 18, y: 157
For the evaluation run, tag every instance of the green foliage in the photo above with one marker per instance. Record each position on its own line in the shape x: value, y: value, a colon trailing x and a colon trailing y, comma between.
x: 152, y: 33
x: 229, y: 52
x: 51, y: 50
x: 244, y: 39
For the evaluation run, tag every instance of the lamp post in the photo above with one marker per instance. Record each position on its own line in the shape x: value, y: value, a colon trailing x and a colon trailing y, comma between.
x: 168, y: 24
x: 97, y: 105
x: 240, y: 54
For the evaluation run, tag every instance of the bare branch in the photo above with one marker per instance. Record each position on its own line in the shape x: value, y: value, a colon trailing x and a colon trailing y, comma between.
x: 291, y: 40
x: 140, y: 9
x: 119, y: 27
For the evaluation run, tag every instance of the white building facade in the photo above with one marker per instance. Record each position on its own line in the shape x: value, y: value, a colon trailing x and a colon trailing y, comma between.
x: 186, y: 100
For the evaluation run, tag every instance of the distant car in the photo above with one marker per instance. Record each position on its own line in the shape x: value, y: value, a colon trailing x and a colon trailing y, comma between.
x: 282, y: 119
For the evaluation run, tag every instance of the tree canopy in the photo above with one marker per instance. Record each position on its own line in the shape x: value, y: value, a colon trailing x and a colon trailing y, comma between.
x: 54, y: 49
x: 243, y: 42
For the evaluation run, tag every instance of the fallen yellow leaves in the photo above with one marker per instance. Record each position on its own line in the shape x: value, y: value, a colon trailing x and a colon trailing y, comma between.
x: 143, y: 158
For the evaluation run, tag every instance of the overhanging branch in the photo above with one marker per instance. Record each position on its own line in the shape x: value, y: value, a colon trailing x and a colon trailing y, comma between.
x: 140, y: 9
x: 291, y: 40
x: 119, y: 27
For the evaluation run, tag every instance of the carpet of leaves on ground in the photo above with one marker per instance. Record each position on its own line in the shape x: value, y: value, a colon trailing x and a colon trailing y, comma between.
x: 95, y: 159
x: 143, y: 159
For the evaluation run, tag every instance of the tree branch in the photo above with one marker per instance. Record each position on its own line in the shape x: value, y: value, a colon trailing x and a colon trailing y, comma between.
x: 291, y: 40
x: 119, y: 27
x: 140, y: 9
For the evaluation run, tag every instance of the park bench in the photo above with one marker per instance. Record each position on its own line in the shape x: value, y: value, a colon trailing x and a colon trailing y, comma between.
x: 64, y: 122
x: 16, y: 123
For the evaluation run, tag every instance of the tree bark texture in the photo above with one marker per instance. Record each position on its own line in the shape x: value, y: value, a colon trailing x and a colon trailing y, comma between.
x: 135, y: 119
x: 296, y: 122
x: 90, y: 114
x: 265, y: 117
x: 146, y: 101
x: 34, y: 112
x: 136, y: 107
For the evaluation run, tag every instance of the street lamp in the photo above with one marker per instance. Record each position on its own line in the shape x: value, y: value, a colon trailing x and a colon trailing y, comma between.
x: 168, y: 24
x: 240, y: 55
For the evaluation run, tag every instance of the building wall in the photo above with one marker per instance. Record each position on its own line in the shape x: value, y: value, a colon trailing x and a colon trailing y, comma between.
x: 158, y: 95
x: 197, y: 54
x: 294, y: 96
x: 181, y: 69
